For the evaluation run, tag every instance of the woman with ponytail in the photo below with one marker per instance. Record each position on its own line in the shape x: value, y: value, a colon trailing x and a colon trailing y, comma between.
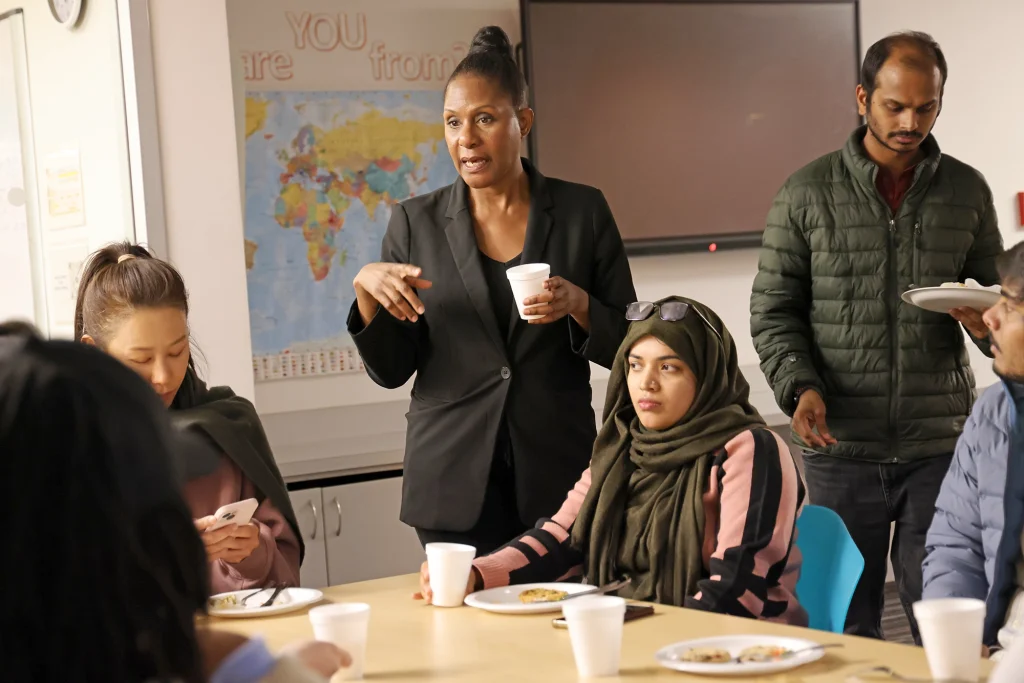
x: 501, y: 421
x: 135, y: 307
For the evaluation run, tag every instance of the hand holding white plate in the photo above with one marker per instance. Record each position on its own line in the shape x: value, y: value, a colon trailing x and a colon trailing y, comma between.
x: 952, y: 295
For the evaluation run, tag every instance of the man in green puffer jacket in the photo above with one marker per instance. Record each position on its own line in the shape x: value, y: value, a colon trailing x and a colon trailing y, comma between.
x: 846, y: 236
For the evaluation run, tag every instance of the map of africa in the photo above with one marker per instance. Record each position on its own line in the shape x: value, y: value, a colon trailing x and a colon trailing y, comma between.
x: 322, y: 171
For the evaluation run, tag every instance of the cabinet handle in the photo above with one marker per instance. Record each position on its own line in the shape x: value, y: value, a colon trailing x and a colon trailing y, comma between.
x: 316, y: 522
x: 337, y: 506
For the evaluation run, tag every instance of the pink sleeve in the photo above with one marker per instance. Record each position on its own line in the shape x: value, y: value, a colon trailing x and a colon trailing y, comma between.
x: 759, y: 494
x: 275, y: 561
x: 527, y: 558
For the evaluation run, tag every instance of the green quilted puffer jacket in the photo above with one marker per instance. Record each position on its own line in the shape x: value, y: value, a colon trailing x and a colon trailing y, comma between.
x: 826, y: 312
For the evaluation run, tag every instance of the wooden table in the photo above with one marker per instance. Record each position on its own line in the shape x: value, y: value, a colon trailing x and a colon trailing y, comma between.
x: 409, y: 641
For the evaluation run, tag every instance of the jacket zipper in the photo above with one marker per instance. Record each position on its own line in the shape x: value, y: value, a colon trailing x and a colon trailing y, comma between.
x: 894, y: 284
x: 894, y: 304
x: 917, y: 255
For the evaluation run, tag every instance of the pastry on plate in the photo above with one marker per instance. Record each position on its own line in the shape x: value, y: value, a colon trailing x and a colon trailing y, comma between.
x: 532, y: 595
x: 705, y: 655
x: 763, y: 653
x: 225, y: 602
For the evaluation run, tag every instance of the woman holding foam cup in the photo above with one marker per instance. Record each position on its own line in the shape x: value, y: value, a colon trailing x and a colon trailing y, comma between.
x: 500, y: 423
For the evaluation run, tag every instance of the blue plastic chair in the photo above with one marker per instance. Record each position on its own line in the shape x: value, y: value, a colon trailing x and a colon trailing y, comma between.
x: 832, y: 566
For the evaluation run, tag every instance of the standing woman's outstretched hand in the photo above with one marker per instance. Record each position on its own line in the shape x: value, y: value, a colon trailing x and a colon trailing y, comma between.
x: 391, y: 285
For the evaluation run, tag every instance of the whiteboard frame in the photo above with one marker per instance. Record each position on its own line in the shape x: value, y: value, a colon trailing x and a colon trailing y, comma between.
x: 143, y: 130
x: 28, y: 163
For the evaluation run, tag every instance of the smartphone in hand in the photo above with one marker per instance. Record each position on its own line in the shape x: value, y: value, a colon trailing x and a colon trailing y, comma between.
x: 235, y: 513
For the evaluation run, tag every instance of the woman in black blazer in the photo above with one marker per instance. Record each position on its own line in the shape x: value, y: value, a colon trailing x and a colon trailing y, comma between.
x: 500, y: 424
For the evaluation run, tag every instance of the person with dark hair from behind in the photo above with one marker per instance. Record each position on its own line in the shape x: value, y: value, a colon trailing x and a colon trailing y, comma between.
x: 974, y: 543
x: 18, y: 327
x: 104, y: 568
x: 135, y: 307
x: 878, y: 389
x: 500, y: 423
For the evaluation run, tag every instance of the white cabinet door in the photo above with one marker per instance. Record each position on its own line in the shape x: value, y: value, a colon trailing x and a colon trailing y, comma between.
x: 309, y: 509
x: 365, y: 539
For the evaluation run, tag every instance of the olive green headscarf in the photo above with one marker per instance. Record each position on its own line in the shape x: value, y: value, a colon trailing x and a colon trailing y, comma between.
x: 644, y: 514
x: 232, y: 423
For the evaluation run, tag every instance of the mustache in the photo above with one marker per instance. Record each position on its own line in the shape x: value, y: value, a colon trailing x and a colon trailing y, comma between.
x: 905, y: 134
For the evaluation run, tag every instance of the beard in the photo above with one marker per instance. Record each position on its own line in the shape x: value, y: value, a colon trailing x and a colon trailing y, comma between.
x: 1008, y: 375
x: 875, y: 132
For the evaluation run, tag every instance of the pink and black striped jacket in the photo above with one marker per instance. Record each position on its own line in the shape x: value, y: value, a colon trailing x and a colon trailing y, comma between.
x: 751, y: 562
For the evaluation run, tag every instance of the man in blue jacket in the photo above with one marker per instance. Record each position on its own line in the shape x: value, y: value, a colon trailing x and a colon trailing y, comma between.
x: 974, y: 543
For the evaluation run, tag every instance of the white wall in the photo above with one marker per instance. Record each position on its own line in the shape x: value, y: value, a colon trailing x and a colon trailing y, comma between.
x: 77, y: 103
x: 196, y: 118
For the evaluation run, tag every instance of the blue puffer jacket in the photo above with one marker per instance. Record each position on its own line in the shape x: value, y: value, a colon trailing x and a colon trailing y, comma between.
x: 975, y: 538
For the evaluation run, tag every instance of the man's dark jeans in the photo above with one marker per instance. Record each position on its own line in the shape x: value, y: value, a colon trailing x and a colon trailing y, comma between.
x: 870, y: 497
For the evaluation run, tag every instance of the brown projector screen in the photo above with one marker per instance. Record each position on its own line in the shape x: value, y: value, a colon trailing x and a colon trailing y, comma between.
x: 689, y: 116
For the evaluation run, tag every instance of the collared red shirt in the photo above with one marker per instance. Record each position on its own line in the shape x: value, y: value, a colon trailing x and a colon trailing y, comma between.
x: 894, y: 188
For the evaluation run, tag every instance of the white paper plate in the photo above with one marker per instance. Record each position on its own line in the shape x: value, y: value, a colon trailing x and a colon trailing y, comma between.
x: 505, y: 600
x: 670, y: 656
x: 290, y: 600
x: 942, y: 299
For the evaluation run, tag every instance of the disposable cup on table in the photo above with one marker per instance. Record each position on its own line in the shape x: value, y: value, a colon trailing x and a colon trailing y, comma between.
x: 951, y: 631
x: 595, y: 629
x: 449, y: 565
x: 345, y: 625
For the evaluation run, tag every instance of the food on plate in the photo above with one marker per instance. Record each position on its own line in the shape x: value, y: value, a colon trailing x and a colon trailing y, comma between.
x: 225, y: 602
x: 705, y: 655
x: 532, y: 595
x: 763, y: 653
x: 953, y: 284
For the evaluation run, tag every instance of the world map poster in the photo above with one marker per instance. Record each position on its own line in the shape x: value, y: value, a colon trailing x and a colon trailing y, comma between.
x: 322, y: 173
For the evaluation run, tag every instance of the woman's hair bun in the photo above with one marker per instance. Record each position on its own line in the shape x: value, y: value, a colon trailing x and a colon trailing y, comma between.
x: 492, y: 39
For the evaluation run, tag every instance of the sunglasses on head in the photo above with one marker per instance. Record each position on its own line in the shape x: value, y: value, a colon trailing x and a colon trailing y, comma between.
x: 670, y: 312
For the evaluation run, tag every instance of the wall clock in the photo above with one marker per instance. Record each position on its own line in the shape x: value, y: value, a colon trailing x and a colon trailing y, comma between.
x: 67, y: 12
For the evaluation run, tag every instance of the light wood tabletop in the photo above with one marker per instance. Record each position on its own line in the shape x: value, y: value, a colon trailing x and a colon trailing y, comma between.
x: 410, y: 641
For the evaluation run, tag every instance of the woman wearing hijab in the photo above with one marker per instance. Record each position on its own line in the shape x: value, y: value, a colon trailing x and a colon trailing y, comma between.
x: 135, y: 307
x: 688, y: 493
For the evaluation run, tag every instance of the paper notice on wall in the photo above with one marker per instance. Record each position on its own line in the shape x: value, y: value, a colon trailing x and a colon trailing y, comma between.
x: 63, y: 272
x: 65, y: 200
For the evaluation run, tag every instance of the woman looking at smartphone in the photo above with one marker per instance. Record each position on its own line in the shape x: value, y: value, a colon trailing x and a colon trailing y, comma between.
x: 135, y: 307
x: 111, y: 591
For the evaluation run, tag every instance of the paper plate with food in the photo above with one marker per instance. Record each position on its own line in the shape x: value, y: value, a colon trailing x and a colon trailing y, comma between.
x: 739, y: 655
x: 262, y: 602
x: 527, y: 598
x: 951, y: 295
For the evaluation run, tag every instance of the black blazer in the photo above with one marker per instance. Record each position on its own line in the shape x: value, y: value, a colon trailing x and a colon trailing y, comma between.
x: 467, y: 376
